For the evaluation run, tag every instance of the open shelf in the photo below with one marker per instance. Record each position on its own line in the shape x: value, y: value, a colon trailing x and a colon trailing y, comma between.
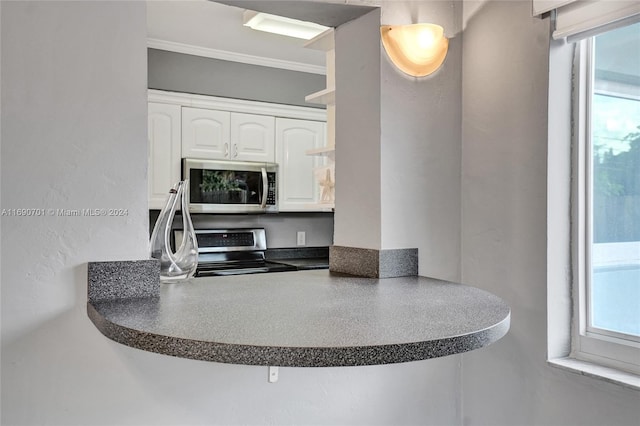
x: 323, y: 97
x: 326, y: 43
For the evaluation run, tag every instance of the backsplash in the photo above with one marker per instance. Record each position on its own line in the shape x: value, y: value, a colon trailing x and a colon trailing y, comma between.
x: 281, y: 228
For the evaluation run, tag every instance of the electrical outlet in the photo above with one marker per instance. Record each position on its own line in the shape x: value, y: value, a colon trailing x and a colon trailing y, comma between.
x: 302, y: 238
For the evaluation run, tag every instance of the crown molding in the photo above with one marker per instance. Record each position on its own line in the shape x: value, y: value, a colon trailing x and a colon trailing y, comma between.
x: 225, y: 55
x: 236, y: 105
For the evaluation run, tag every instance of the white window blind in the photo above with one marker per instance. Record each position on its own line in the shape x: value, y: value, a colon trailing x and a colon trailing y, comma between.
x: 576, y: 19
x: 542, y: 6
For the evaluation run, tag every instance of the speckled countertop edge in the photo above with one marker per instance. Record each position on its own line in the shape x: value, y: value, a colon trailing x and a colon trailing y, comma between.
x: 309, y: 356
x: 296, y: 356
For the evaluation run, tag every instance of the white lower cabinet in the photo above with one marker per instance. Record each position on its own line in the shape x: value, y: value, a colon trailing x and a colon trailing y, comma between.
x: 297, y: 188
x: 164, y: 151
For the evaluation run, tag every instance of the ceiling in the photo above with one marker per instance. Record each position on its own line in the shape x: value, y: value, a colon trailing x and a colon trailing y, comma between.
x: 217, y: 26
x: 320, y: 12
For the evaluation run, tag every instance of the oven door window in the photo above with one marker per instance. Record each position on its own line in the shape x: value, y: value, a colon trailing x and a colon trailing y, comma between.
x: 225, y: 186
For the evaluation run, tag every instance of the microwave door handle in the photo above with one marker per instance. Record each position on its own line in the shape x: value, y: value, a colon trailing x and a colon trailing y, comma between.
x: 265, y: 188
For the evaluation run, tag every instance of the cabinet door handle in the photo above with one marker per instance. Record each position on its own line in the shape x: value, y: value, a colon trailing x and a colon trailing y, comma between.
x: 226, y: 149
x: 235, y: 150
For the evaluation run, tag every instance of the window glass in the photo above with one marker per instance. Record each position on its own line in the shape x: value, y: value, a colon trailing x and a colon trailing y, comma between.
x: 614, y: 190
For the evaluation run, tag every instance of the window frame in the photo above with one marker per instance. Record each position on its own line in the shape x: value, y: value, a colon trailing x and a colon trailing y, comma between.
x: 588, y: 343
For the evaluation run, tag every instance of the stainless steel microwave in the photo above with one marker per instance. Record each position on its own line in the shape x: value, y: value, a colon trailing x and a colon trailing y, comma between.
x: 220, y: 186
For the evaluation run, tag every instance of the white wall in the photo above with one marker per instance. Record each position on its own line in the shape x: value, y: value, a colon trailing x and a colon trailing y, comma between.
x: 73, y: 99
x: 74, y: 136
x: 358, y: 209
x: 73, y: 102
x: 398, y: 160
x: 504, y: 189
x: 421, y: 146
x: 398, y: 142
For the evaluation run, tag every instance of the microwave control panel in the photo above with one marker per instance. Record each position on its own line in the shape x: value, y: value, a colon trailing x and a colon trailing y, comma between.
x: 271, y: 192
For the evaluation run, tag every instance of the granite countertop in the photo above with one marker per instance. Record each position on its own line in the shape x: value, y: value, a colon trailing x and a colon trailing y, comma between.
x: 311, y: 318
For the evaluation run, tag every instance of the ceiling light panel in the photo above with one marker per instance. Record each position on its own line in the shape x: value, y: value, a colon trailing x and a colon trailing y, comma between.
x: 282, y: 25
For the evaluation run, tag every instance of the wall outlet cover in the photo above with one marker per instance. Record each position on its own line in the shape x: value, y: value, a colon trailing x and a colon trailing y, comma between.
x: 301, y: 238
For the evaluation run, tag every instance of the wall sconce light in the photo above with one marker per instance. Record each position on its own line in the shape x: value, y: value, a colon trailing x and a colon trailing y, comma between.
x: 417, y: 49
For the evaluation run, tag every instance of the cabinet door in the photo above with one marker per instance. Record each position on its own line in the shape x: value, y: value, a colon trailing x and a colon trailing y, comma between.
x: 163, y: 122
x: 252, y: 137
x: 205, y: 133
x: 297, y: 188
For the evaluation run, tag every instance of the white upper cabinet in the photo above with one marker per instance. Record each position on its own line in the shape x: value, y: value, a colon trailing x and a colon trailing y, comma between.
x: 207, y: 127
x: 224, y: 135
x: 252, y: 137
x: 164, y: 151
x: 297, y: 187
x: 206, y: 133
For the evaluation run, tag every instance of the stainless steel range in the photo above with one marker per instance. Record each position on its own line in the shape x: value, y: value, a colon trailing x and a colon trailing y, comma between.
x: 233, y: 252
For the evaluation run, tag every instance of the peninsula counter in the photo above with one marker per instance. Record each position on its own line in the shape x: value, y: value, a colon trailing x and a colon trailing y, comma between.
x: 305, y: 319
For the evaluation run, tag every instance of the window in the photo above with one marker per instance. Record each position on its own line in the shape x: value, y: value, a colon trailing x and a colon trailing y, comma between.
x: 606, y: 198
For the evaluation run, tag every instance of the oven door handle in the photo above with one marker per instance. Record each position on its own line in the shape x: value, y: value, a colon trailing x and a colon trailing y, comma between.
x: 265, y: 188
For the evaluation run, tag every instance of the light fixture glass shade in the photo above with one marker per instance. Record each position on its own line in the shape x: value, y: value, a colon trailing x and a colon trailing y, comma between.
x: 417, y: 49
x: 282, y: 25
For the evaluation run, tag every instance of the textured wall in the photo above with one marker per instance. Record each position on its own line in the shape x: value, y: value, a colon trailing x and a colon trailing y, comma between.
x: 74, y: 136
x: 358, y: 209
x: 504, y: 190
x: 398, y: 152
x: 421, y: 147
x: 398, y: 142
